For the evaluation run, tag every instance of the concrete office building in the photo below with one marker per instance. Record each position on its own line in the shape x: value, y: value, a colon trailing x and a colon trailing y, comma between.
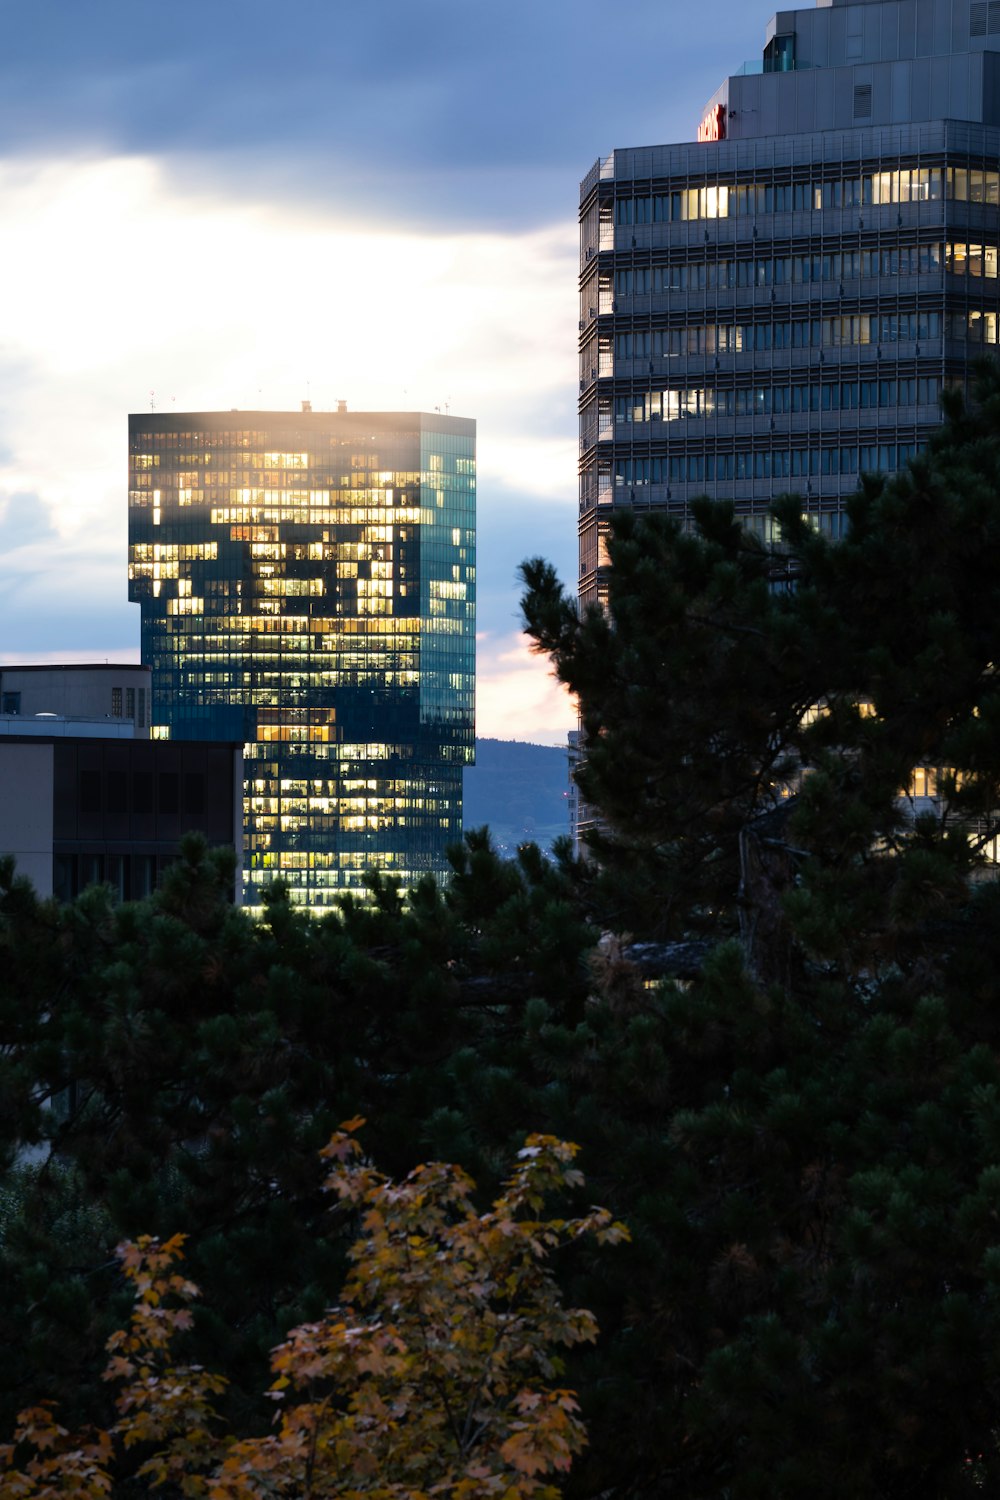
x: 95, y: 801
x: 118, y: 691
x: 778, y: 304
x: 307, y: 587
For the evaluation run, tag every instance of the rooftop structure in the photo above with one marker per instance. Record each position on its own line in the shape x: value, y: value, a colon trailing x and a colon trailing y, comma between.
x: 118, y: 692
x: 778, y: 304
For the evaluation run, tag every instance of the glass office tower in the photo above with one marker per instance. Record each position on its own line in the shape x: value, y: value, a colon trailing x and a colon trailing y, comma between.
x: 307, y: 587
x: 777, y: 305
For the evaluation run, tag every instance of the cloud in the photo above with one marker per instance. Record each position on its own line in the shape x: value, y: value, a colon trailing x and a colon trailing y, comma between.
x: 24, y: 521
x: 441, y: 114
x: 514, y: 525
x: 210, y: 304
x: 209, y: 205
x: 65, y: 600
x: 517, y: 697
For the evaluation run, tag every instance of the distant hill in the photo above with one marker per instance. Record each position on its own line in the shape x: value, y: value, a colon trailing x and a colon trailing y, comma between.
x: 519, y: 790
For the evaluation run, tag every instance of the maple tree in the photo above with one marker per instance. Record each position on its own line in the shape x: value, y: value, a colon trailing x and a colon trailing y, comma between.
x: 432, y: 1377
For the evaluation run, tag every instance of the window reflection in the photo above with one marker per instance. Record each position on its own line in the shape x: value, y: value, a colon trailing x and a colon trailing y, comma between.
x: 311, y: 592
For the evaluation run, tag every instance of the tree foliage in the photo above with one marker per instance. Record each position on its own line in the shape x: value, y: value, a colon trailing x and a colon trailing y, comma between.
x: 171, y: 1064
x: 815, y: 1110
x: 432, y: 1377
x: 802, y: 1132
x: 729, y: 669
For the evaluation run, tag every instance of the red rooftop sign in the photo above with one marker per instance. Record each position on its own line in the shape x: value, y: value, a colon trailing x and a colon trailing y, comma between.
x: 713, y: 126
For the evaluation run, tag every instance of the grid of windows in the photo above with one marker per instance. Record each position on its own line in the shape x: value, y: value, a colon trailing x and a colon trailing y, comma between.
x: 800, y: 333
x: 802, y: 270
x: 870, y: 189
x: 674, y: 404
x: 307, y: 586
x: 762, y: 463
x: 821, y: 327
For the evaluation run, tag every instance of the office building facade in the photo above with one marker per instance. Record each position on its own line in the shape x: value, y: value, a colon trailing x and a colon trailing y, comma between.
x: 777, y: 305
x: 307, y: 587
x: 95, y: 802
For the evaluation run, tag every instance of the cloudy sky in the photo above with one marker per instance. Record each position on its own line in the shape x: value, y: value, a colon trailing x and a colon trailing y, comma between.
x: 217, y: 203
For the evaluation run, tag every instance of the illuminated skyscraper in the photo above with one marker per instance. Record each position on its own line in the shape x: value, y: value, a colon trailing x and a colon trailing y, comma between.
x: 307, y: 587
x: 777, y: 305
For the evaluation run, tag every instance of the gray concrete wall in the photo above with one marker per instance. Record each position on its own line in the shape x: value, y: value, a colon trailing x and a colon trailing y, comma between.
x: 902, y: 92
x: 84, y: 691
x: 26, y: 823
x: 51, y: 727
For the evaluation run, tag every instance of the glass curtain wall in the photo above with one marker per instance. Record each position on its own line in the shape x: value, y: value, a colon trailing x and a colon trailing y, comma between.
x: 307, y: 586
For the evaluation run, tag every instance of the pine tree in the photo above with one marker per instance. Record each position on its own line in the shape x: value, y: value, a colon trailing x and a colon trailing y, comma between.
x: 802, y: 1139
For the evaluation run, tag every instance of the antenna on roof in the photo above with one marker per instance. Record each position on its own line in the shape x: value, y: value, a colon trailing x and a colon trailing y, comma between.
x: 152, y: 400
